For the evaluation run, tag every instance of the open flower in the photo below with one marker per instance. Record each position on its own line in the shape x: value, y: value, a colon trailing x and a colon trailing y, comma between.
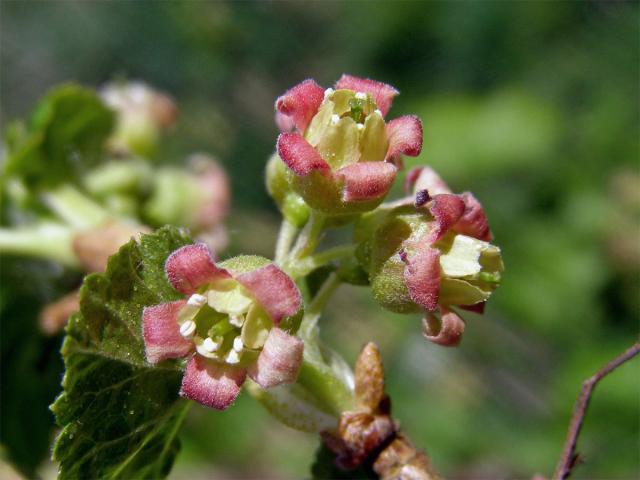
x: 238, y: 319
x: 431, y: 254
x: 341, y: 155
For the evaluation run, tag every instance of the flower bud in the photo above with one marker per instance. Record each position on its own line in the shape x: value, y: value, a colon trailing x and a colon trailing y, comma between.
x: 142, y: 114
x: 196, y: 199
x: 340, y: 155
x: 430, y: 255
x: 291, y: 205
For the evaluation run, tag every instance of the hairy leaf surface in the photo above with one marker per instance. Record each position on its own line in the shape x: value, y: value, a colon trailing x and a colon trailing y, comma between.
x: 119, y: 415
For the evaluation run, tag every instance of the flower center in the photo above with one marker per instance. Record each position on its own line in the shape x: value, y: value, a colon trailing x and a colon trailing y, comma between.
x: 225, y: 324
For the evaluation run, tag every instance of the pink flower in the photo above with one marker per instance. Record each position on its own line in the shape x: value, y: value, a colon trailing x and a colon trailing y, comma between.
x: 342, y: 156
x: 432, y: 255
x: 233, y: 324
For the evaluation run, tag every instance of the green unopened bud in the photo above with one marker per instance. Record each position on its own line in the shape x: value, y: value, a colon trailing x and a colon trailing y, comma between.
x: 142, y: 115
x: 292, y: 206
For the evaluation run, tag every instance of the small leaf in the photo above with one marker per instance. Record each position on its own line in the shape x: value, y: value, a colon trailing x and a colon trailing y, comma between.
x: 119, y: 415
x: 65, y: 136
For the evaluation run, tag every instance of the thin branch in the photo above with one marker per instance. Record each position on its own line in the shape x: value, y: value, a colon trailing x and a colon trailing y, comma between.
x: 569, y: 457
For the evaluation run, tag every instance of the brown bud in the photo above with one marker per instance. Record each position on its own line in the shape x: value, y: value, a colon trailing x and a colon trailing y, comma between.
x: 54, y: 316
x: 369, y: 377
x: 400, y: 460
x: 94, y: 247
x: 362, y: 434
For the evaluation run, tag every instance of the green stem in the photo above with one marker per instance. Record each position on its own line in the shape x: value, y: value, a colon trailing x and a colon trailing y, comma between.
x: 75, y: 208
x: 49, y: 241
x: 285, y: 239
x: 308, y: 326
x: 309, y: 237
x: 310, y: 263
x: 325, y: 386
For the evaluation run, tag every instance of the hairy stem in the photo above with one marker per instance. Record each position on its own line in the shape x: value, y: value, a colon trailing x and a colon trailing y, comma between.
x: 308, y: 330
x: 50, y: 241
x: 310, y: 263
x: 285, y: 239
x: 569, y: 457
x: 75, y: 208
x: 309, y: 237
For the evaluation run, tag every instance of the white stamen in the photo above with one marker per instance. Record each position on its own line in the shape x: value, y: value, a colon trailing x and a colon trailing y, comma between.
x: 361, y: 96
x: 210, y: 345
x: 334, y: 119
x: 197, y: 300
x: 237, y: 344
x: 359, y: 126
x: 236, y: 320
x: 377, y: 111
x: 188, y: 328
x: 232, y: 357
x: 328, y: 92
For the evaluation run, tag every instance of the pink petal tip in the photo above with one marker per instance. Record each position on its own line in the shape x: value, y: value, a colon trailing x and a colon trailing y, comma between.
x: 422, y: 276
x: 279, y: 361
x: 366, y: 180
x: 446, y: 331
x: 301, y: 103
x: 161, y: 333
x: 381, y: 92
x: 299, y: 155
x: 405, y: 137
x: 191, y: 267
x: 274, y: 290
x: 473, y: 222
x: 212, y: 384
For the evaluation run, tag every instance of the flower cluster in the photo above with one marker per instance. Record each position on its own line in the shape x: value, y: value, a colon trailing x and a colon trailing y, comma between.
x: 341, y: 155
x: 238, y: 320
x: 430, y: 252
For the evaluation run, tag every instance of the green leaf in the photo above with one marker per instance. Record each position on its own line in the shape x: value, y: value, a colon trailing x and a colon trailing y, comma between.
x: 65, y: 136
x: 119, y: 415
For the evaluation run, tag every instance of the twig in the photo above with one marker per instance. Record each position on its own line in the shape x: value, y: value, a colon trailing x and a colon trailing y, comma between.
x: 569, y: 457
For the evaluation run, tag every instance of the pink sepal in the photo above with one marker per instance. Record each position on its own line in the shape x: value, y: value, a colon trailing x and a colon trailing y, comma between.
x: 422, y: 276
x: 280, y: 360
x: 299, y: 155
x: 284, y: 122
x: 161, y: 332
x: 405, y: 137
x: 473, y: 222
x: 447, y: 209
x: 191, y: 267
x: 274, y: 290
x: 301, y: 103
x: 381, y: 92
x: 447, y: 331
x: 210, y: 383
x: 366, y: 180
x: 425, y: 178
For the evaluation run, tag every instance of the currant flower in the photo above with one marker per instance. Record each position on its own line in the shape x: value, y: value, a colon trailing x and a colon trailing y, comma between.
x: 431, y: 253
x: 142, y: 113
x: 340, y: 155
x: 238, y: 320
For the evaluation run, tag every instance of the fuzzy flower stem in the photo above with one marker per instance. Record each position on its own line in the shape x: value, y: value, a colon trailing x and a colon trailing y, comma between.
x: 309, y: 237
x: 310, y: 263
x: 314, y: 310
x: 75, y: 208
x: 29, y: 241
x: 286, y: 236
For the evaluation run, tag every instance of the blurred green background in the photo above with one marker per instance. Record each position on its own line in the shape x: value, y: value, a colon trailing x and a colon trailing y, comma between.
x: 534, y: 106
